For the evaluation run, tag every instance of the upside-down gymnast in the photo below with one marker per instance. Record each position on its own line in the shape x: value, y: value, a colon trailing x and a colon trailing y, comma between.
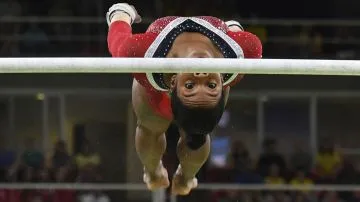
x: 194, y: 101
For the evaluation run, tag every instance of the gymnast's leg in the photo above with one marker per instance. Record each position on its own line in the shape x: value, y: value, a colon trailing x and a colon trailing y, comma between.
x: 192, y: 152
x: 150, y: 147
x: 150, y: 141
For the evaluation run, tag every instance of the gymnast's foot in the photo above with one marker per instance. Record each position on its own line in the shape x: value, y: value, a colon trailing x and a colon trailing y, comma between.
x: 181, y: 186
x: 157, y: 180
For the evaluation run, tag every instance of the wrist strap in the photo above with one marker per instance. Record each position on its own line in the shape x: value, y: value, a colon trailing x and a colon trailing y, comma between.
x: 115, y: 11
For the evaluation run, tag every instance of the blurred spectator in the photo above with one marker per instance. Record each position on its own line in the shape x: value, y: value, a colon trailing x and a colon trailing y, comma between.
x: 300, y: 178
x: 317, y: 45
x: 61, y: 176
x: 10, y: 48
x: 44, y: 175
x: 11, y: 195
x: 329, y: 197
x: 34, y: 36
x: 348, y: 175
x: 229, y: 196
x: 44, y: 195
x: 247, y: 174
x: 239, y: 156
x: 60, y: 9
x: 7, y: 160
x: 90, y: 174
x: 274, y: 176
x: 10, y: 8
x: 343, y: 50
x: 32, y: 156
x: 88, y: 162
x: 270, y: 157
x: 327, y: 162
x: 300, y: 158
x: 99, y: 197
x: 87, y: 157
x: 9, y: 31
x: 60, y: 31
x: 301, y: 47
x: 8, y: 195
x: 60, y: 157
x: 27, y: 174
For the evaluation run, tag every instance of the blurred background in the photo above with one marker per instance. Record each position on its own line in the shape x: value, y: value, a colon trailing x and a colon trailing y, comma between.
x: 79, y: 128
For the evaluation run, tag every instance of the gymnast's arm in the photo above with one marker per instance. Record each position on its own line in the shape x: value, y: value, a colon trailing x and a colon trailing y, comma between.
x: 122, y: 42
x: 119, y: 33
x: 250, y: 44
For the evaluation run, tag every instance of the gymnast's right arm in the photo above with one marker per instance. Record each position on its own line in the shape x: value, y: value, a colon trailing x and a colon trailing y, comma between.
x: 120, y: 17
x: 121, y: 41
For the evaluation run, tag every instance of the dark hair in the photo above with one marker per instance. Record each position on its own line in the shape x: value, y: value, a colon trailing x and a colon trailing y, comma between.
x: 196, y: 120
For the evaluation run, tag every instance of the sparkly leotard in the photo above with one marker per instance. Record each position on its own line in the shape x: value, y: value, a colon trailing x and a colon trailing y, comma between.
x: 157, y: 41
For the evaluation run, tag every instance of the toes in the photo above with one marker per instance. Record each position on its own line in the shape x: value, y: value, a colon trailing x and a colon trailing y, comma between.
x: 158, y: 181
x: 183, y: 189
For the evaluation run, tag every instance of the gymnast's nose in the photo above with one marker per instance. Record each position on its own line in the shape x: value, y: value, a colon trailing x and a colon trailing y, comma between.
x: 201, y: 74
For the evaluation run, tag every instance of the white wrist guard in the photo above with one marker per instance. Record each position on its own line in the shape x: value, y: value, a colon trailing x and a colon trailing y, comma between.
x: 234, y: 23
x: 121, y: 7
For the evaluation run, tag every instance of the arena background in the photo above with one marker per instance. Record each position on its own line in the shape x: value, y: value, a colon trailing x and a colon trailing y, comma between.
x: 309, y: 122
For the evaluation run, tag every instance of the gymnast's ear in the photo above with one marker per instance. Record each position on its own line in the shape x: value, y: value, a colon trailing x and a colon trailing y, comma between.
x: 173, y: 82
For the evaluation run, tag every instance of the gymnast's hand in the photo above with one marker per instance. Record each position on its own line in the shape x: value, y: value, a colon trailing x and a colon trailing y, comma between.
x: 234, y: 26
x: 123, y: 12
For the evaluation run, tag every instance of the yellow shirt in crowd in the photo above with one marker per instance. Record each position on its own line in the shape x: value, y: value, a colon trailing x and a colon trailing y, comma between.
x: 274, y: 180
x: 327, y: 162
x: 82, y: 160
x: 303, y: 182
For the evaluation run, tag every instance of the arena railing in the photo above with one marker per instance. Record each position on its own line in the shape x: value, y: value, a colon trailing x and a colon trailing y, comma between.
x: 100, y: 20
x: 265, y: 22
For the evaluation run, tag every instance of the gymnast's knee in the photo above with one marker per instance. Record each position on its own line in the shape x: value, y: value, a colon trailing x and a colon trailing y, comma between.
x: 195, y: 141
x: 148, y: 131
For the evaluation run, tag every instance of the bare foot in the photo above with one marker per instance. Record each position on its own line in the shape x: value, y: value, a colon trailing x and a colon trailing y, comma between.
x: 180, y: 186
x: 157, y: 180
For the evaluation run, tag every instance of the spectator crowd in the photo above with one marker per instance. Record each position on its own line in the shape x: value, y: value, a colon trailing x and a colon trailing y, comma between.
x: 273, y: 168
x: 32, y: 166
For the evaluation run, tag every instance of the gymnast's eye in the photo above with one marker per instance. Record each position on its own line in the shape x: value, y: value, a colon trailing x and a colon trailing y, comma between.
x: 189, y: 85
x: 212, y: 85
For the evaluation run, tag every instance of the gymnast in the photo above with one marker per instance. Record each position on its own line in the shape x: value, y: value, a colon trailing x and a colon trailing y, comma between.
x: 193, y: 101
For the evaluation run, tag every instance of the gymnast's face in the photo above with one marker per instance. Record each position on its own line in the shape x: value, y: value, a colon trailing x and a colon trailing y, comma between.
x: 196, y: 89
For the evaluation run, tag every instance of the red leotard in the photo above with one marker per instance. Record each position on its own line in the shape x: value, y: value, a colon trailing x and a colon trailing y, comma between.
x: 122, y: 43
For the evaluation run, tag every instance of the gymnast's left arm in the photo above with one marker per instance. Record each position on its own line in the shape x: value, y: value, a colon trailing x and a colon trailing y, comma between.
x: 250, y: 44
